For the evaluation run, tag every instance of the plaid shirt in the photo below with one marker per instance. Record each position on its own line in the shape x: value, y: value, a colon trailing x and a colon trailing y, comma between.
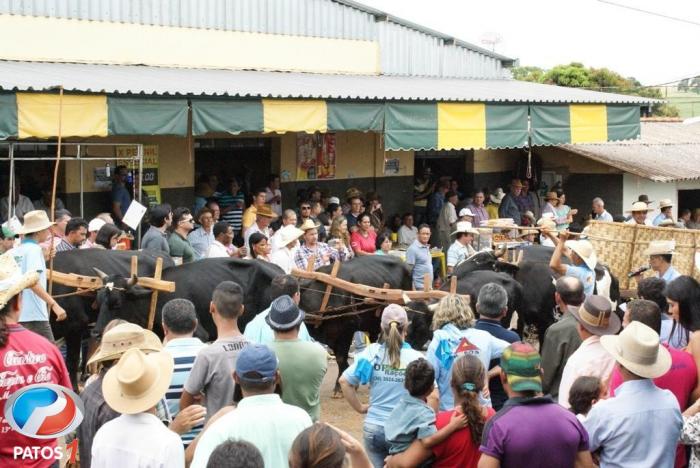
x: 64, y: 246
x: 322, y: 249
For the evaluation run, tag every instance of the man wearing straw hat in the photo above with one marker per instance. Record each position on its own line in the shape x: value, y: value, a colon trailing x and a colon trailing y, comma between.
x: 642, y: 424
x: 582, y: 256
x: 639, y: 212
x: 23, y: 357
x: 509, y: 207
x: 286, y: 241
x: 666, y: 207
x: 461, y: 248
x: 30, y: 257
x: 263, y: 217
x: 133, y: 387
x: 323, y: 253
x: 660, y: 255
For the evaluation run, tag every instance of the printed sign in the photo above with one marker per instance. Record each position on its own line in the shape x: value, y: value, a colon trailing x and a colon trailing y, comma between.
x: 315, y: 156
x: 150, y: 169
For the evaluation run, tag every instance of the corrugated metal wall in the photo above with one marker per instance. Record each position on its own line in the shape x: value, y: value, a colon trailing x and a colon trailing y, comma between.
x: 404, y: 51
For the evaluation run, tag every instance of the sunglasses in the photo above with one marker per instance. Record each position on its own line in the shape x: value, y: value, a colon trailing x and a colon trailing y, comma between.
x: 188, y: 220
x: 305, y: 207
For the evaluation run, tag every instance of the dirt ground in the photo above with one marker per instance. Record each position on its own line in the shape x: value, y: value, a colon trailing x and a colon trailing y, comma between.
x: 337, y: 411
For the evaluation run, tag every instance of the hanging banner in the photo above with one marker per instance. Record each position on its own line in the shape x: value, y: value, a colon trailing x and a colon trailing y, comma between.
x: 150, y: 169
x: 315, y: 156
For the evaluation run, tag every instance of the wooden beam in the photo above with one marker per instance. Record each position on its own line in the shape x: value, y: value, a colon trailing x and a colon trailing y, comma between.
x: 134, y: 266
x: 93, y: 282
x: 154, y: 297
x: 327, y: 294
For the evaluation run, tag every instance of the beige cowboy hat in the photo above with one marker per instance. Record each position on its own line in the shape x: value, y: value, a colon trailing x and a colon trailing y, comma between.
x: 551, y: 196
x: 638, y: 206
x: 665, y: 203
x: 547, y: 223
x: 516, y: 183
x: 667, y: 223
x: 639, y: 350
x: 660, y: 247
x: 286, y: 235
x: 497, y: 197
x: 585, y: 250
x: 12, y: 281
x: 309, y: 224
x: 35, y: 221
x: 123, y: 337
x: 138, y: 381
x: 266, y: 211
x: 466, y: 227
x: 527, y: 232
x: 529, y: 215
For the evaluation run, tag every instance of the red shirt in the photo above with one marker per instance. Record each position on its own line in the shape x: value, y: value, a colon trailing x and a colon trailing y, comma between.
x: 365, y: 244
x: 26, y: 359
x: 679, y: 380
x: 459, y: 449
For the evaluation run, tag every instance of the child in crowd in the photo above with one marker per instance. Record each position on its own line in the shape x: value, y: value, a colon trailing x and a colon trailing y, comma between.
x: 585, y: 392
x: 412, y: 418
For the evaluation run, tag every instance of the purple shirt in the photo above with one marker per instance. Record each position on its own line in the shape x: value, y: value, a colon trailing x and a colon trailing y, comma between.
x: 534, y: 429
x: 480, y: 214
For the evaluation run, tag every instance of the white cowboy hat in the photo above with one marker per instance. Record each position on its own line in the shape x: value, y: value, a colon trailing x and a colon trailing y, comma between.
x: 464, y: 226
x: 667, y: 222
x: 309, y: 224
x: 638, y: 206
x: 122, y: 338
x: 660, y: 247
x: 638, y: 349
x: 287, y: 234
x: 138, y: 381
x: 35, y: 221
x: 497, y: 197
x: 547, y: 223
x: 665, y: 203
x: 12, y: 281
x: 465, y: 212
x: 584, y: 249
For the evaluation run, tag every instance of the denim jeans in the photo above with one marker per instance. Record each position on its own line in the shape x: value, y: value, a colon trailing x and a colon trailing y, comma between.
x: 375, y: 444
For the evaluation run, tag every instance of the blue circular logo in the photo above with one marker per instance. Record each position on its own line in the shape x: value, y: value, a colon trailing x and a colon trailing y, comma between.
x: 44, y: 411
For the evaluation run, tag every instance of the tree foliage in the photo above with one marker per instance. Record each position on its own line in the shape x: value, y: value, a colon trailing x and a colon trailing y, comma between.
x: 576, y: 75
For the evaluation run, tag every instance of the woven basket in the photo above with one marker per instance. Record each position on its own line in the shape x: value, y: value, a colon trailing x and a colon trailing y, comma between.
x: 622, y: 246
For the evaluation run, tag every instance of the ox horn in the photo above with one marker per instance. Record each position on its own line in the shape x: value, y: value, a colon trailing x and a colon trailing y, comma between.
x: 132, y: 281
x: 103, y: 276
x: 500, y: 252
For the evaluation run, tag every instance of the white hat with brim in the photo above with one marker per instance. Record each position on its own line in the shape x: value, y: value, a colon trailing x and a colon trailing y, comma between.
x: 122, y: 338
x: 639, y: 350
x: 287, y: 234
x: 465, y: 227
x: 138, y: 381
x: 638, y: 206
x: 12, y: 281
x: 466, y: 212
x: 309, y: 224
x: 35, y: 221
x: 527, y: 232
x: 660, y: 247
x: 96, y: 224
x: 497, y: 197
x: 584, y: 249
x: 665, y: 203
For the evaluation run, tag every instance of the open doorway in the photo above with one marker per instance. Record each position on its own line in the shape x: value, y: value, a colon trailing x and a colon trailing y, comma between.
x: 688, y: 199
x: 444, y: 164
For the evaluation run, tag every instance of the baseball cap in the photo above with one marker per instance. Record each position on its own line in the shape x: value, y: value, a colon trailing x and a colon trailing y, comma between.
x: 521, y: 364
x: 7, y: 233
x: 256, y: 363
x: 95, y: 224
x: 394, y: 313
x: 335, y: 200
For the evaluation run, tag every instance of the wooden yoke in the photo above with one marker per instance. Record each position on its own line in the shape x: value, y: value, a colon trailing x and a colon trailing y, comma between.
x: 154, y: 297
x: 329, y: 288
x: 74, y: 280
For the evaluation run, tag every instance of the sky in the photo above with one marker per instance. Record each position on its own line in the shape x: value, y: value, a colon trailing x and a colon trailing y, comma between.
x: 545, y: 33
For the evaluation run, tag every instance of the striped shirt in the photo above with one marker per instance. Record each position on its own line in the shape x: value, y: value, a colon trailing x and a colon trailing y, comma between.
x: 235, y: 216
x: 64, y: 246
x: 183, y: 350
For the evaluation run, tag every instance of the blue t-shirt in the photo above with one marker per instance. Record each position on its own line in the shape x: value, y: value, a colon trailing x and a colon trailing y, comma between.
x: 30, y: 257
x: 411, y: 419
x: 418, y: 255
x: 121, y: 195
x: 448, y: 344
x: 386, y: 384
x: 585, y: 275
x: 258, y: 331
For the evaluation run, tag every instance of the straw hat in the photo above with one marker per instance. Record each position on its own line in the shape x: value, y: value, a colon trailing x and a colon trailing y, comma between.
x: 516, y: 183
x: 527, y: 232
x: 466, y: 227
x: 596, y: 316
x: 660, y: 247
x: 638, y: 206
x: 12, y: 281
x: 668, y: 222
x: 547, y: 223
x: 465, y: 212
x: 529, y: 215
x: 551, y: 196
x: 266, y: 211
x: 638, y: 349
x: 35, y: 221
x: 122, y: 338
x: 287, y: 234
x: 138, y: 381
x: 309, y: 224
x: 497, y: 197
x: 584, y: 249
x: 665, y: 203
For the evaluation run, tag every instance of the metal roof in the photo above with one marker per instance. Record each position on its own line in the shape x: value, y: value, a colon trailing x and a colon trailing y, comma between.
x: 666, y: 152
x: 121, y: 79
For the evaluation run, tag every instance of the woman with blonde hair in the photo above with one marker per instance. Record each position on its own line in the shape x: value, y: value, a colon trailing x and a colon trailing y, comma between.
x: 339, y: 237
x: 382, y: 366
x: 454, y: 336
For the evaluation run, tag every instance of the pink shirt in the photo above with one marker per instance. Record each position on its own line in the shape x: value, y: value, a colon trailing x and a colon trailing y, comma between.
x: 365, y: 244
x: 679, y: 380
x: 589, y: 359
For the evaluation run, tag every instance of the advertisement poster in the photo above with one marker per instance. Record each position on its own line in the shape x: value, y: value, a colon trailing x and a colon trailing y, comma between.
x: 150, y: 169
x: 392, y: 166
x: 315, y: 156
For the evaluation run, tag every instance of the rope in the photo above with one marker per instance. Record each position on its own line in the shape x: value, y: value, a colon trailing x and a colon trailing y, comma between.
x: 345, y: 296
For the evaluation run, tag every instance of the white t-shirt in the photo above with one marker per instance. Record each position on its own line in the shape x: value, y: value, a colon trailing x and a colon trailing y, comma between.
x: 216, y: 250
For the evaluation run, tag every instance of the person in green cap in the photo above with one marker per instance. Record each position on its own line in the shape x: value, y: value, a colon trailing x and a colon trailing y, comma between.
x: 7, y: 239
